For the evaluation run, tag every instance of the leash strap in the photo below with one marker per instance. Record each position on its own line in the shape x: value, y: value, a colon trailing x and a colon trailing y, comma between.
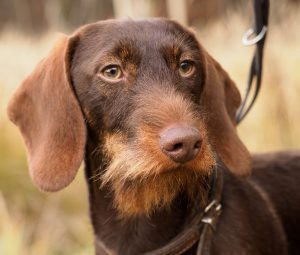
x: 261, y: 11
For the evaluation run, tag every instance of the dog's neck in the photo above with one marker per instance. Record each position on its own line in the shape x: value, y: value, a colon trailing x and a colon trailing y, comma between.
x: 144, y: 233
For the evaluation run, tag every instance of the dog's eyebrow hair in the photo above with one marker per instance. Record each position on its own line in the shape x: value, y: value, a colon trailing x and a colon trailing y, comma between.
x: 122, y: 53
x: 171, y: 54
x: 175, y: 50
x: 125, y: 50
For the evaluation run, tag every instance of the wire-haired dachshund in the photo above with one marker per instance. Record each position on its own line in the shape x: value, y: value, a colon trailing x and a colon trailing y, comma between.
x: 152, y: 115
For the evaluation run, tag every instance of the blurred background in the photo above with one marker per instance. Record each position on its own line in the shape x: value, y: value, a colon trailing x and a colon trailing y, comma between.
x: 32, y: 222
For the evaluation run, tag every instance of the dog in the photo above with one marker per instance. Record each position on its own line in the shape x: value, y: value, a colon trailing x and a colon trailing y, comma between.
x: 152, y: 115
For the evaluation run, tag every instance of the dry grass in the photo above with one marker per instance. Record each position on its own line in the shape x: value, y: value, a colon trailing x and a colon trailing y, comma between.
x: 36, y: 223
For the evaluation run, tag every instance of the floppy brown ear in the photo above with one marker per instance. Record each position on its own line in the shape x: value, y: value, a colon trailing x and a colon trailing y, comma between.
x: 221, y: 100
x: 47, y: 112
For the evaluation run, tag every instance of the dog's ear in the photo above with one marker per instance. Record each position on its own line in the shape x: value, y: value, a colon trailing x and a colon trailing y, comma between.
x: 221, y: 100
x: 48, y: 114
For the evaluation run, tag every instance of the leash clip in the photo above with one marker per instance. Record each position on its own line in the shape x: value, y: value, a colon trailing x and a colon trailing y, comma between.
x: 248, y: 40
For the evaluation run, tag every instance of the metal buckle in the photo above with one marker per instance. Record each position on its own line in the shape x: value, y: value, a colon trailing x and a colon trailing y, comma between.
x: 215, y: 203
x: 247, y: 40
x: 211, y: 220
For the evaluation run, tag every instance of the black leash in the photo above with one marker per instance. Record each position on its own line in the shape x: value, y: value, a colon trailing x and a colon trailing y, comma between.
x: 261, y: 11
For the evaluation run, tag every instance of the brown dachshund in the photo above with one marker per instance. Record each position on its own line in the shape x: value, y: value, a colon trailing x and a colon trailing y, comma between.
x: 152, y: 115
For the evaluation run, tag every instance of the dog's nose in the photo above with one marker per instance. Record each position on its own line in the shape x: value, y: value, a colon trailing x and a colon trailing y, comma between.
x: 181, y: 143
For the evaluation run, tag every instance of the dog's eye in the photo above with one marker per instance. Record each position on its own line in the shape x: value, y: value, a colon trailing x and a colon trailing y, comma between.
x: 112, y: 72
x: 186, y: 68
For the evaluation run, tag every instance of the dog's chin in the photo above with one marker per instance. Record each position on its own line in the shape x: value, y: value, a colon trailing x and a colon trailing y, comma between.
x: 152, y: 194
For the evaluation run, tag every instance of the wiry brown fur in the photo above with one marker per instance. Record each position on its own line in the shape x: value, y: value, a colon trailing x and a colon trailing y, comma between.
x: 142, y: 177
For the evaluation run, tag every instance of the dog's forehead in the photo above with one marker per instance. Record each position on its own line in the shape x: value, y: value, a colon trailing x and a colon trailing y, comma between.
x: 152, y: 33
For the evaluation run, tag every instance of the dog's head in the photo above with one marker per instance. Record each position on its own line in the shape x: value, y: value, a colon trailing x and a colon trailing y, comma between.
x: 159, y: 107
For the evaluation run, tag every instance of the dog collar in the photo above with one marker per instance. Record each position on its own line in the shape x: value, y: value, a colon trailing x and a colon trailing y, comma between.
x: 201, y: 226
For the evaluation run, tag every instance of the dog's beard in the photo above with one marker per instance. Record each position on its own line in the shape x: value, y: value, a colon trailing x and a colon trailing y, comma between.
x: 142, y: 183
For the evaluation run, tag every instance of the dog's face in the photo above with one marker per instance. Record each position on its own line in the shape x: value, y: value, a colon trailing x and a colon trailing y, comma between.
x: 139, y: 89
x: 157, y: 104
